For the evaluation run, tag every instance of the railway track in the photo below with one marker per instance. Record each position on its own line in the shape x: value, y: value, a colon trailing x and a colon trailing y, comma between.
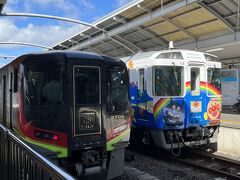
x: 214, y: 164
x: 219, y: 166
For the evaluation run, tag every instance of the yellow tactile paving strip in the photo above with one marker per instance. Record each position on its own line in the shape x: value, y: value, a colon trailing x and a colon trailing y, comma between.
x: 230, y: 121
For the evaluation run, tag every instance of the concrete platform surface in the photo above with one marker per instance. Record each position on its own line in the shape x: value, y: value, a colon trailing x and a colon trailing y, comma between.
x: 230, y: 120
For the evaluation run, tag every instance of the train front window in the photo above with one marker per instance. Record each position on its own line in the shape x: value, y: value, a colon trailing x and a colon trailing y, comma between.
x: 168, y: 81
x: 43, y: 94
x: 214, y: 77
x: 117, y: 90
x: 44, y: 83
x: 195, y: 81
x: 87, y: 90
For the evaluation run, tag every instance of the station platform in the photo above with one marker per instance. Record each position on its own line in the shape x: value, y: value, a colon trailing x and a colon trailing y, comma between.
x: 229, y: 133
x: 230, y: 120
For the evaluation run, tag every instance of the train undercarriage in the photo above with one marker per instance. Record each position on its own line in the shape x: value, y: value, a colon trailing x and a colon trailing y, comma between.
x: 175, y: 140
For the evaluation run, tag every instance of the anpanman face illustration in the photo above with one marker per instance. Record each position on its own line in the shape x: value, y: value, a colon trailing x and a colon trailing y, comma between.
x: 214, y: 109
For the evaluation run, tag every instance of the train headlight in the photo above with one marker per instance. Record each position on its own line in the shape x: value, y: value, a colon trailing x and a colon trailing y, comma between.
x: 119, y: 128
x: 46, y: 135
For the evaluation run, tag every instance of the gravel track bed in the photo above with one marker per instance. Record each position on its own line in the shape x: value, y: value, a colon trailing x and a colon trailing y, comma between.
x: 162, y: 169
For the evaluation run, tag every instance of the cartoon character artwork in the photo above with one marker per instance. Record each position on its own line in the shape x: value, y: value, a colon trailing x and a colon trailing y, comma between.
x: 173, y: 114
x: 214, y: 110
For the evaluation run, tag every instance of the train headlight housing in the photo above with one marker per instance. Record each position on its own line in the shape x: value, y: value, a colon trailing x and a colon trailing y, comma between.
x: 119, y: 128
x: 46, y: 135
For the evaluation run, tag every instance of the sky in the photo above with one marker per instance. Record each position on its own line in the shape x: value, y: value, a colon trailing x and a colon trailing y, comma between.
x: 47, y: 32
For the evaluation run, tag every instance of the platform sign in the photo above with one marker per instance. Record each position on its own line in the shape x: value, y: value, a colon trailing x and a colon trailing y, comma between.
x: 230, y: 86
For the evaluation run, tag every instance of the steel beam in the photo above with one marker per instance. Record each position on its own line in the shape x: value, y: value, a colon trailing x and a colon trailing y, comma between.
x: 140, y: 6
x: 153, y: 35
x: 119, y: 19
x: 210, y: 41
x: 63, y: 46
x: 25, y: 44
x: 215, y: 2
x: 52, y: 17
x: 123, y: 41
x: 110, y: 15
x: 124, y: 45
x: 134, y: 46
x: 136, y: 23
x: 96, y: 50
x: 209, y: 9
x: 179, y: 27
x: 231, y: 15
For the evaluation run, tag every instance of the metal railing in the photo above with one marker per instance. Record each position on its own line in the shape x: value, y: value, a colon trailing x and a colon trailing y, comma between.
x: 18, y: 161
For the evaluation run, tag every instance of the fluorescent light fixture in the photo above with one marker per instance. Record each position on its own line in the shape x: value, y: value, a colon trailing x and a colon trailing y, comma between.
x: 213, y: 50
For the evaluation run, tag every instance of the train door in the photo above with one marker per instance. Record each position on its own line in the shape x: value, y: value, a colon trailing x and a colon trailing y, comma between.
x: 142, y: 96
x: 196, y: 102
x: 86, y: 100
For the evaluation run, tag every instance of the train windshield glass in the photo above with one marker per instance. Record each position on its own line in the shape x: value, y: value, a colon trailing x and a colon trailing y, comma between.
x: 44, y: 83
x: 168, y: 81
x: 43, y: 94
x: 117, y: 90
x: 214, y: 77
x: 87, y: 85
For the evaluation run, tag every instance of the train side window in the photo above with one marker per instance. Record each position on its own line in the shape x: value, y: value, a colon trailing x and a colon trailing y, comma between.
x: 195, y: 81
x: 214, y: 76
x: 211, y: 58
x: 141, y: 80
x: 15, y: 80
x: 170, y: 55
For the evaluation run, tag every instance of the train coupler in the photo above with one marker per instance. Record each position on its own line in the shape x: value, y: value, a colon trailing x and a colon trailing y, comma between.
x: 92, y: 163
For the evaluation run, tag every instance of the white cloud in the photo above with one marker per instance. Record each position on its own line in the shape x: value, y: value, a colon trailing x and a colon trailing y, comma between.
x: 44, y: 35
x: 68, y: 8
x: 122, y: 2
x: 87, y: 4
x: 59, y: 4
x: 10, y: 6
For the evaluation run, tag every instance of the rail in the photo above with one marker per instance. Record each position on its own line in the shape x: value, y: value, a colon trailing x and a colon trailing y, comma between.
x: 213, y: 164
x: 19, y: 161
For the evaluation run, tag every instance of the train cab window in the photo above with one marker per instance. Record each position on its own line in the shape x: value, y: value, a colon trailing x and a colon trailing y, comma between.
x: 43, y: 84
x: 15, y: 80
x: 214, y: 75
x: 117, y: 99
x: 87, y: 90
x: 195, y: 81
x: 168, y: 81
x: 170, y: 55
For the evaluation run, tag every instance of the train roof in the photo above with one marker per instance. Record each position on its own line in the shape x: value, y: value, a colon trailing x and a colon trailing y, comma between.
x: 155, y: 54
x: 68, y: 54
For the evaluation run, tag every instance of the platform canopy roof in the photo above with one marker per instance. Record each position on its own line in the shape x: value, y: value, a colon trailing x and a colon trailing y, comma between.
x: 2, y: 3
x: 146, y: 25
